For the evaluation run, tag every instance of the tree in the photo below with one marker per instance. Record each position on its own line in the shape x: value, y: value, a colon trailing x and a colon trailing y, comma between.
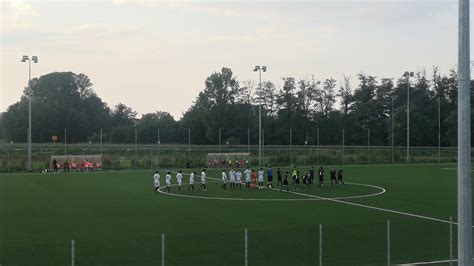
x: 149, y: 124
x: 328, y: 96
x: 345, y: 93
x: 216, y: 103
x: 123, y: 120
x: 287, y: 102
x: 59, y: 100
x: 267, y: 97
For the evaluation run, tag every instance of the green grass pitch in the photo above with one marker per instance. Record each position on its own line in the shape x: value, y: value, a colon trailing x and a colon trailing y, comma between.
x: 115, y: 218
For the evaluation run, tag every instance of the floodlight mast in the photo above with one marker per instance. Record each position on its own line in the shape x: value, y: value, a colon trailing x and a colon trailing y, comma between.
x: 24, y: 59
x: 464, y: 140
x: 407, y: 75
x: 260, y: 69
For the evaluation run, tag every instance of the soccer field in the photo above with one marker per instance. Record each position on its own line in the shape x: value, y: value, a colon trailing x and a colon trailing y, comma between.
x: 115, y: 218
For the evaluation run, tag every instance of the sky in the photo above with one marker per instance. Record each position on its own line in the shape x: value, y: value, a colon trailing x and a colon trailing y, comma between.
x: 156, y: 55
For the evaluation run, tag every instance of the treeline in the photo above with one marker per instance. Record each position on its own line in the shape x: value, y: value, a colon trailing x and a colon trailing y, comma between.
x: 308, y: 107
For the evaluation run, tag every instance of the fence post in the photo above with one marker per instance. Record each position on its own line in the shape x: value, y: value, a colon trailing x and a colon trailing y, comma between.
x: 450, y: 240
x: 320, y: 245
x: 246, y: 250
x: 162, y: 249
x: 73, y: 253
x: 388, y: 242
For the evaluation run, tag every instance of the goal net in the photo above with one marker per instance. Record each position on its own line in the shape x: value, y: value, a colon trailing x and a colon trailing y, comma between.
x: 235, y: 160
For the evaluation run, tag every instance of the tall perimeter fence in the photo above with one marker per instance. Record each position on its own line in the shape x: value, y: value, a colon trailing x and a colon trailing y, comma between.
x: 386, y: 243
x: 13, y: 157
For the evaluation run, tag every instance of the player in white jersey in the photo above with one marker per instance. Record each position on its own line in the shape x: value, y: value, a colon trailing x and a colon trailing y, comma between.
x: 168, y: 182
x: 232, y: 178
x: 238, y: 179
x: 179, y: 177
x: 247, y: 174
x: 203, y: 180
x: 191, y: 181
x: 224, y: 180
x: 156, y: 180
x: 260, y: 178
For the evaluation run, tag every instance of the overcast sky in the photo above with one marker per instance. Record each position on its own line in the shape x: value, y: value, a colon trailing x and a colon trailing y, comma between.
x: 155, y: 56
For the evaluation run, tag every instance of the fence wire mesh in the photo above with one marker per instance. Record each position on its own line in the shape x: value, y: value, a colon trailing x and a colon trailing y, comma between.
x: 411, y: 241
x: 13, y: 157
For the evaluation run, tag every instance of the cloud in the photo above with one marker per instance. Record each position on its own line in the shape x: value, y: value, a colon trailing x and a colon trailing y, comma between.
x: 260, y: 34
x: 101, y: 30
x: 17, y: 15
x: 213, y: 8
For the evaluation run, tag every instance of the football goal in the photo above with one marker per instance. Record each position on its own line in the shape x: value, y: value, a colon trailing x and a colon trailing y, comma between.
x: 236, y: 159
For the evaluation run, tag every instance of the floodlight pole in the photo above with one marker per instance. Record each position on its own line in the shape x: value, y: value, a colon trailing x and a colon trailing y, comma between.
x: 464, y: 140
x: 407, y: 75
x: 30, y: 163
x: 317, y: 142
x: 65, y: 141
x: 219, y: 140
x: 263, y: 145
x: 248, y: 141
x: 304, y: 155
x: 260, y: 122
x: 393, y: 133
x: 101, y: 143
x: 368, y: 139
x: 158, y: 144
x: 408, y: 119
x: 35, y: 60
x: 189, y: 144
x: 343, y: 144
x: 136, y: 142
x: 259, y: 69
x: 291, y: 143
x: 439, y: 129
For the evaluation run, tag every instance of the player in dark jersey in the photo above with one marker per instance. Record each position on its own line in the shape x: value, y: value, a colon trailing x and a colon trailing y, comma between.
x: 296, y: 186
x: 321, y: 176
x: 311, y: 174
x: 279, y: 179
x: 305, y: 181
x: 333, y: 176
x: 339, y: 176
x: 285, y: 183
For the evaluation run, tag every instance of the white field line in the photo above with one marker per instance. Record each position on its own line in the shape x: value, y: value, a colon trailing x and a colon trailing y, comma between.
x: 263, y: 199
x: 382, y: 191
x: 375, y: 208
x: 451, y: 168
x: 427, y: 262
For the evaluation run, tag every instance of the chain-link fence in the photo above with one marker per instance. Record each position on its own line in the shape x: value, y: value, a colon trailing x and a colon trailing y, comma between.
x: 402, y: 241
x: 13, y: 157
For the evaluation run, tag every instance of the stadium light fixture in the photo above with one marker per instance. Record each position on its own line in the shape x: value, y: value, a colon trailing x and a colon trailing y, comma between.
x: 26, y: 58
x: 260, y: 69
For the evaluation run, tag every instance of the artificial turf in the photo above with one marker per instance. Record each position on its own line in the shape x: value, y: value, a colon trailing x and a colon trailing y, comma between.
x: 116, y: 219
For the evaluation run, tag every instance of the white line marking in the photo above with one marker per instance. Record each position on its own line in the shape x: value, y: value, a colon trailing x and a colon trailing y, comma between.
x: 375, y: 208
x: 382, y: 191
x: 426, y: 262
